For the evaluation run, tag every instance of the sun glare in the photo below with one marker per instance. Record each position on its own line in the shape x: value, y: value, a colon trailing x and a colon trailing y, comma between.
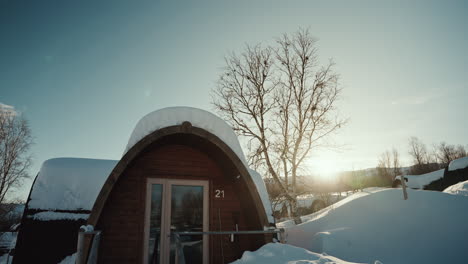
x: 326, y: 167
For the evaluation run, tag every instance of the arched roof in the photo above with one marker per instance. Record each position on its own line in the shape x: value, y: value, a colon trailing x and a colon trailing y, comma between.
x: 173, y: 116
x: 69, y: 184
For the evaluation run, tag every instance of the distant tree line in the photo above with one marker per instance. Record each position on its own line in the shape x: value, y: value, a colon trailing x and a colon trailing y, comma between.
x: 389, y: 166
x: 424, y: 160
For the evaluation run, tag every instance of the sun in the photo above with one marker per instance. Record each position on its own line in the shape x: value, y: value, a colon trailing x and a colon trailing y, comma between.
x: 324, y: 166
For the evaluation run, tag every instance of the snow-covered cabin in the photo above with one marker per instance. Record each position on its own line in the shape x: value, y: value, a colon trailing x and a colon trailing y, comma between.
x: 439, y: 180
x: 182, y: 170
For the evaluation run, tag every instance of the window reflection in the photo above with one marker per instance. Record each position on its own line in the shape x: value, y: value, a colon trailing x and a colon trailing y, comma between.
x: 187, y: 215
x: 154, y: 244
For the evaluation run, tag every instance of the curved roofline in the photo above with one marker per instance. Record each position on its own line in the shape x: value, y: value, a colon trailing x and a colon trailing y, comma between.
x: 185, y: 128
x: 173, y: 116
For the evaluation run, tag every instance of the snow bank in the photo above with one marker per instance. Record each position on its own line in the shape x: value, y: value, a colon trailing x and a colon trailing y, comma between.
x: 430, y: 227
x: 276, y: 253
x: 458, y: 164
x: 419, y: 181
x: 460, y: 188
x: 69, y: 183
x: 49, y: 215
x: 69, y: 259
x: 5, y: 258
x: 8, y: 240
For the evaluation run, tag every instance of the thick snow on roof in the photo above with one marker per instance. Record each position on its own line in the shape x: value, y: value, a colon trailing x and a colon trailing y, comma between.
x: 276, y: 253
x: 419, y: 181
x: 50, y: 215
x: 172, y: 116
x: 458, y: 164
x: 262, y: 191
x: 460, y: 188
x: 429, y: 227
x: 69, y: 183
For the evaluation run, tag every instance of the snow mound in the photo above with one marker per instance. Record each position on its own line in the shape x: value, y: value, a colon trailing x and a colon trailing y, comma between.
x: 419, y: 181
x: 429, y: 227
x: 69, y: 259
x: 69, y: 183
x: 173, y: 116
x: 276, y: 253
x: 460, y: 188
x: 458, y: 164
x: 8, y: 240
x: 5, y: 258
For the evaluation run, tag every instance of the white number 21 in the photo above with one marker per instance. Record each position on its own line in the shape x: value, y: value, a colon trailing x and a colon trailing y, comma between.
x: 219, y: 193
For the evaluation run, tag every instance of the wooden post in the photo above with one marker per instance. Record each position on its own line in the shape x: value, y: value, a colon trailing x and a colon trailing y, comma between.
x: 282, y: 236
x: 80, y: 256
x: 403, y: 186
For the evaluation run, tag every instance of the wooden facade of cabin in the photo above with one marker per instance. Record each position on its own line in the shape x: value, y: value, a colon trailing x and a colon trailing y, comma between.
x: 178, y: 154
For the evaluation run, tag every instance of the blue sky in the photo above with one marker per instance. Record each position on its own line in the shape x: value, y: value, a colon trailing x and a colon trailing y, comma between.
x: 84, y: 72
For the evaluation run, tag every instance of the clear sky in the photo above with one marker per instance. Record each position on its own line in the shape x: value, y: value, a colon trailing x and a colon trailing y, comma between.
x: 84, y: 72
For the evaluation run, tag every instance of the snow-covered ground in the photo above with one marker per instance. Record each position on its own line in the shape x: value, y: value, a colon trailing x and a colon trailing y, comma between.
x: 429, y: 227
x: 276, y: 253
x: 460, y: 188
x: 69, y: 259
x: 5, y: 259
x: 7, y: 242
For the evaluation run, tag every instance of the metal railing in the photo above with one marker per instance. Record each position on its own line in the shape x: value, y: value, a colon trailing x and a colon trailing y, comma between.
x: 81, y: 257
x: 180, y: 258
x: 247, y: 232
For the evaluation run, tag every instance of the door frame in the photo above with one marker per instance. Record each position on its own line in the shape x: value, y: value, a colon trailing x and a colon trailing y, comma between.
x: 166, y: 215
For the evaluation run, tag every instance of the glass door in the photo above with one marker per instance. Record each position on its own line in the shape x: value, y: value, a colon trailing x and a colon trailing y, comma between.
x: 176, y: 206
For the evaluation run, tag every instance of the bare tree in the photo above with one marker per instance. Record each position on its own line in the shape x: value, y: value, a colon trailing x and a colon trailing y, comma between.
x: 445, y: 153
x: 396, y: 169
x: 460, y: 151
x: 422, y: 159
x: 418, y: 151
x: 389, y: 164
x: 15, y: 141
x: 283, y: 103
